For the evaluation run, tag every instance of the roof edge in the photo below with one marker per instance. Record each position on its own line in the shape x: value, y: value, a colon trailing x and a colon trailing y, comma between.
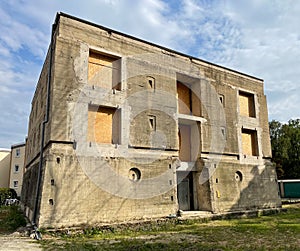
x: 59, y: 14
x: 4, y: 150
x: 18, y: 145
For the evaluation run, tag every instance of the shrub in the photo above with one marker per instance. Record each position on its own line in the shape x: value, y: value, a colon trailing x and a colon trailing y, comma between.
x: 4, y: 194
x: 11, y: 218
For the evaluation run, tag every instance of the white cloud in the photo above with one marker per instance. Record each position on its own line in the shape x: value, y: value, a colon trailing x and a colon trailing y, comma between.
x: 258, y: 37
x: 269, y: 49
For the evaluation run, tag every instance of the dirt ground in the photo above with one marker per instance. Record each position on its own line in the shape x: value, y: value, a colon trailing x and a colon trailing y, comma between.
x: 17, y: 243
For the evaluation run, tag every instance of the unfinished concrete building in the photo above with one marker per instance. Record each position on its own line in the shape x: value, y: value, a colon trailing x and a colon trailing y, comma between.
x: 122, y: 129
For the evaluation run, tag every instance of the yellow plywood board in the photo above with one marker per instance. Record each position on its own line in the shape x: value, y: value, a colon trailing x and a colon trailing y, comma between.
x: 184, y: 142
x: 184, y: 105
x: 100, y: 70
x: 100, y: 124
x: 196, y: 105
x: 247, y: 143
x: 246, y: 105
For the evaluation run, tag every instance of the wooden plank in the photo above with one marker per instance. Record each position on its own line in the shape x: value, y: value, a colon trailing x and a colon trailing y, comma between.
x: 101, y: 70
x: 184, y: 99
x: 100, y: 124
x: 184, y: 142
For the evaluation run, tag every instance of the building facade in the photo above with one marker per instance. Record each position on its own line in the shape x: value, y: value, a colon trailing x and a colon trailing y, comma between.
x: 17, y: 167
x: 4, y: 167
x: 132, y: 130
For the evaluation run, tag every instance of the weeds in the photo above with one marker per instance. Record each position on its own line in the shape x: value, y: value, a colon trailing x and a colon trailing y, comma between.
x: 10, y: 219
x: 268, y: 232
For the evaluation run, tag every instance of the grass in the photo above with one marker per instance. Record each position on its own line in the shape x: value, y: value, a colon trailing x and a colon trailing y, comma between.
x: 11, y: 218
x: 272, y: 232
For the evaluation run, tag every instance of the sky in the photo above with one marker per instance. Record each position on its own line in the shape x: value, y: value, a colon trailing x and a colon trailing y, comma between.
x: 257, y: 37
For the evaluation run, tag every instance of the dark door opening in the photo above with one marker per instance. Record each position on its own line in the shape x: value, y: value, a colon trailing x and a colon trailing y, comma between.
x: 185, y: 191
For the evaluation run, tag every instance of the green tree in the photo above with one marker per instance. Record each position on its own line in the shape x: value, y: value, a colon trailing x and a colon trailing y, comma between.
x: 285, y: 141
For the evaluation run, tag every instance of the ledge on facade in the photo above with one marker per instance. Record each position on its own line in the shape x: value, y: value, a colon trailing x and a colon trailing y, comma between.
x: 184, y: 215
x: 186, y: 166
x: 189, y: 119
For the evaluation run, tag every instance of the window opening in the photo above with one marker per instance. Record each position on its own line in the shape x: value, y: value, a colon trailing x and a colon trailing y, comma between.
x: 238, y: 176
x: 134, y: 174
x: 249, y: 142
x: 223, y: 130
x: 104, y: 71
x: 188, y: 102
x: 247, y: 106
x: 103, y: 125
x: 151, y: 82
x: 221, y: 98
x: 152, y: 122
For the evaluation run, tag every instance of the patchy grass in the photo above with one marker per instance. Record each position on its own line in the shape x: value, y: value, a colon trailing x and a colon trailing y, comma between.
x: 272, y: 232
x: 10, y: 219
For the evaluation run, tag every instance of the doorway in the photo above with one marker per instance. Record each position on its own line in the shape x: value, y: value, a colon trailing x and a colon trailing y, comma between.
x: 185, y: 191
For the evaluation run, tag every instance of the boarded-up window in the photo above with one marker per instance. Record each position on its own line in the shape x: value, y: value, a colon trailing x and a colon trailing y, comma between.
x: 249, y: 142
x: 103, y: 125
x: 247, y: 107
x: 104, y: 71
x: 188, y: 102
x: 184, y: 142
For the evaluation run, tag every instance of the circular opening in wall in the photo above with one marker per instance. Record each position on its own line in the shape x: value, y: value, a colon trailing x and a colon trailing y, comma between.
x: 134, y: 174
x: 238, y: 176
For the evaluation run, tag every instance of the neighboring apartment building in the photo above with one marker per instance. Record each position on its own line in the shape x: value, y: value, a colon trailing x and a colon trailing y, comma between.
x: 133, y: 130
x: 17, y: 167
x: 4, y: 167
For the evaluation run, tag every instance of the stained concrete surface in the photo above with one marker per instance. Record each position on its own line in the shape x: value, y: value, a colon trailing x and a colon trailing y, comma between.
x: 12, y: 243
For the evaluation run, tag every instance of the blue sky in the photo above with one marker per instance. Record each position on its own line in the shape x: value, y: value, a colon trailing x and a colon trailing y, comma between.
x: 258, y: 37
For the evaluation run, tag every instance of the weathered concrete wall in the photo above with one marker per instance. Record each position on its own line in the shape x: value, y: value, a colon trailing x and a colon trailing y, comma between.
x: 37, y: 115
x: 71, y: 197
x: 28, y: 194
x: 244, y: 187
x: 4, y: 168
x: 132, y: 173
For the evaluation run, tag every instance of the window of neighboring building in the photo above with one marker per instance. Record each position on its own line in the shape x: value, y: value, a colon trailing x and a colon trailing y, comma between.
x: 16, y: 168
x: 103, y: 124
x: 247, y: 107
x: 249, y: 142
x: 18, y: 152
x: 104, y: 71
x: 16, y: 183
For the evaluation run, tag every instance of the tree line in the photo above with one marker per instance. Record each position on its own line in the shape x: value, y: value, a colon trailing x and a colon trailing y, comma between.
x: 285, y: 142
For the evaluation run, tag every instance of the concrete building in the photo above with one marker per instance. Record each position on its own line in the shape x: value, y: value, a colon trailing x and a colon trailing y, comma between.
x: 17, y: 167
x: 4, y: 167
x: 132, y: 130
